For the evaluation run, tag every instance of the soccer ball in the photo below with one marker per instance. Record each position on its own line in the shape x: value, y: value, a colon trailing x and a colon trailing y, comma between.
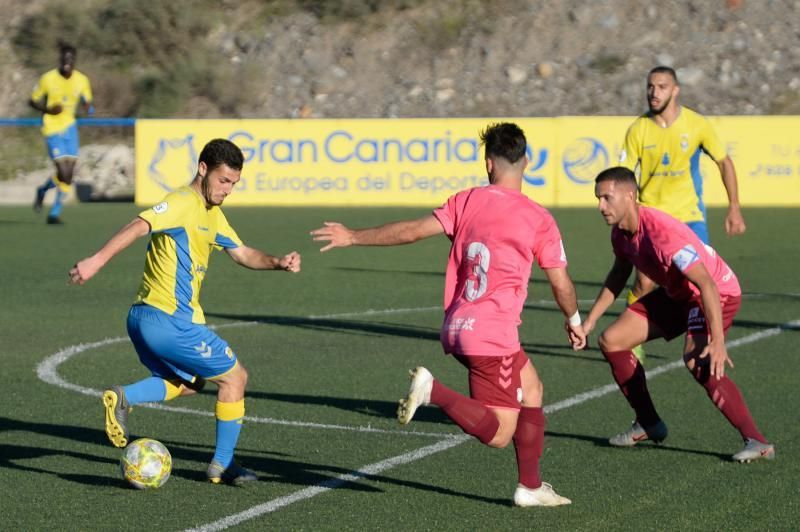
x: 146, y: 464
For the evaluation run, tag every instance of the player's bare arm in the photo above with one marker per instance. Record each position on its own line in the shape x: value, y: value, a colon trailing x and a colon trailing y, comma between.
x: 734, y: 221
x: 88, y: 267
x: 391, y: 234
x: 255, y: 259
x: 41, y: 106
x: 567, y: 300
x: 614, y: 284
x: 712, y: 308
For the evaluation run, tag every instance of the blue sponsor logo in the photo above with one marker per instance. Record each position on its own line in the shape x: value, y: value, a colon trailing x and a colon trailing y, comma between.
x: 536, y: 162
x: 339, y: 147
x: 168, y: 149
x: 583, y: 159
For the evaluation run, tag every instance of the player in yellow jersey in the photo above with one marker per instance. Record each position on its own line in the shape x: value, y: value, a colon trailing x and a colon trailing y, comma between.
x: 166, y: 323
x: 666, y: 144
x: 58, y: 95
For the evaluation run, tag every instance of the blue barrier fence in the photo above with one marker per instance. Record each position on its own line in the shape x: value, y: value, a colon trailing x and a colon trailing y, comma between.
x: 99, y: 122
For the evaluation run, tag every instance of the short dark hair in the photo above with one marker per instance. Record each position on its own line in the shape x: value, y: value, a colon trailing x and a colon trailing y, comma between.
x: 221, y: 151
x: 661, y: 69
x: 617, y: 174
x: 66, y: 48
x: 504, y: 140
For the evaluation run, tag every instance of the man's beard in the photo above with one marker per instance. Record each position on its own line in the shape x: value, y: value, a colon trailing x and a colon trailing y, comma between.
x: 659, y: 110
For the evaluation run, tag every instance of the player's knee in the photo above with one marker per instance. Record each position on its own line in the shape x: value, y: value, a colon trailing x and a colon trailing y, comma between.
x: 243, y: 376
x: 700, y: 369
x: 533, y: 394
x: 501, y: 439
x: 65, y: 175
x: 604, y: 342
x: 191, y: 387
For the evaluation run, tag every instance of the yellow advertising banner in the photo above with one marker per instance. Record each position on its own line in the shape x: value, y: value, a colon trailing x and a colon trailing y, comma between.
x: 335, y: 162
x: 420, y: 162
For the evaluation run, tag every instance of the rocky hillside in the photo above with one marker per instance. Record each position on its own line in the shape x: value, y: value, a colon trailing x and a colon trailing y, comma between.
x: 365, y: 58
x: 391, y: 58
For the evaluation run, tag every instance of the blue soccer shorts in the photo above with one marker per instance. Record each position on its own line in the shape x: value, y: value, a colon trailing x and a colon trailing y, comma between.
x: 700, y: 228
x: 171, y: 347
x: 64, y: 143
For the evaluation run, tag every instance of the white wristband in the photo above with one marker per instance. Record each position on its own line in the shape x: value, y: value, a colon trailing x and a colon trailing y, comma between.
x: 575, y: 319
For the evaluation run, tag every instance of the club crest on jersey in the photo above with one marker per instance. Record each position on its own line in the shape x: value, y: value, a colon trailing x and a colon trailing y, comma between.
x: 161, y: 208
x: 684, y: 141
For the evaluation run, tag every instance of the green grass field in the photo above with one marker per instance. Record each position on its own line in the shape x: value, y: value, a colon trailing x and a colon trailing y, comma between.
x: 328, y: 352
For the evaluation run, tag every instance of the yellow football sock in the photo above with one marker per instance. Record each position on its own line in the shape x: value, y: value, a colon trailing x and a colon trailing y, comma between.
x: 229, y: 411
x: 64, y: 187
x: 173, y: 390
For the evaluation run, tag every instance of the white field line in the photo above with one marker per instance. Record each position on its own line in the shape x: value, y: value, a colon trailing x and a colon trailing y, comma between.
x: 47, y: 371
x: 379, y: 467
x: 322, y: 487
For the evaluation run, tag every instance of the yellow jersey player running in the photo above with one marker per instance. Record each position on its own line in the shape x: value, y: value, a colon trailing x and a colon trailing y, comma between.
x: 665, y: 144
x: 166, y: 323
x: 58, y: 95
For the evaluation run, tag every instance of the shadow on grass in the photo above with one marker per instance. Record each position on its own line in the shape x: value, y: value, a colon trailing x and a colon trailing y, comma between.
x: 603, y: 442
x: 304, y: 474
x: 440, y: 273
x: 372, y: 328
x: 277, y: 467
x: 367, y: 407
x: 14, y: 456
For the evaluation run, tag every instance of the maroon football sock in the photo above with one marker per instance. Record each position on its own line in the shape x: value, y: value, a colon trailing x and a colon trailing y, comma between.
x: 728, y: 399
x: 528, y: 444
x: 629, y: 374
x: 469, y: 414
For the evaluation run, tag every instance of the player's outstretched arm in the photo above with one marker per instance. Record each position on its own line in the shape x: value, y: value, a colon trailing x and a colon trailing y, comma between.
x: 734, y: 221
x: 258, y: 260
x: 391, y: 234
x: 566, y: 299
x: 88, y: 267
x: 614, y: 284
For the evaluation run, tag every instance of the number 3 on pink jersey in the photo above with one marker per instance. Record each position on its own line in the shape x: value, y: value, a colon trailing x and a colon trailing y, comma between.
x: 478, y: 256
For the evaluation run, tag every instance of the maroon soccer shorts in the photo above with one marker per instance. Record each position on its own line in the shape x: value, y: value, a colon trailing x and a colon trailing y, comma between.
x: 677, y: 317
x: 495, y: 381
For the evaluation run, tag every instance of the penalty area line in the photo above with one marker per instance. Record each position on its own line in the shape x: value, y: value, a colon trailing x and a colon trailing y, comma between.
x: 406, y: 458
x: 47, y: 371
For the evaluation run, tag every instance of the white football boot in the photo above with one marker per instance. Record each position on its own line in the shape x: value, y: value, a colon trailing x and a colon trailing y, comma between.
x: 754, y: 450
x: 419, y: 394
x: 637, y: 433
x: 544, y: 495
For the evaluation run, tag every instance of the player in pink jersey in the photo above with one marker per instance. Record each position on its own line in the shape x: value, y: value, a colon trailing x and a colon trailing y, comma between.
x: 496, y: 234
x: 698, y: 295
